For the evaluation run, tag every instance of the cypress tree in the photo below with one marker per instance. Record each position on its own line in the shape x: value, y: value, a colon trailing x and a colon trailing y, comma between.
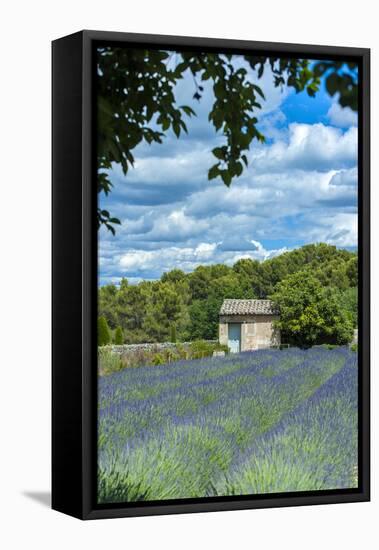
x: 173, y: 333
x: 118, y: 336
x: 103, y: 332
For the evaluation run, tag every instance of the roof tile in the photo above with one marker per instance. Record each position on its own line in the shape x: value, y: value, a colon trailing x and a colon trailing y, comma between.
x: 248, y: 307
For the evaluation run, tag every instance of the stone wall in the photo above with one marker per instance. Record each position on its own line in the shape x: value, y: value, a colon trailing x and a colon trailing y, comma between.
x: 156, y: 347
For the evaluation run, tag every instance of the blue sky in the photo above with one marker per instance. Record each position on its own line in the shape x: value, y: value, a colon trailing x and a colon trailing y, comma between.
x: 300, y: 187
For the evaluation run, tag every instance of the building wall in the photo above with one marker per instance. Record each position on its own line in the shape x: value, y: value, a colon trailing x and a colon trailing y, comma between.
x: 257, y: 331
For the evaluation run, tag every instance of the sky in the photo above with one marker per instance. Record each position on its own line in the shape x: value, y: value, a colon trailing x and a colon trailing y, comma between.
x: 300, y: 187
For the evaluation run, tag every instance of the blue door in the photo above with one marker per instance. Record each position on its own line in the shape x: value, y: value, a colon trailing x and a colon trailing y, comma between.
x: 234, y: 337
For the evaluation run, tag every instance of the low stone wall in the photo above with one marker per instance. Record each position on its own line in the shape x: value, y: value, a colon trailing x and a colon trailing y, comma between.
x: 156, y: 347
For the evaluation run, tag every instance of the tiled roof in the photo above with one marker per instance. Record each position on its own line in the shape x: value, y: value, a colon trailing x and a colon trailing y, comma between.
x: 248, y: 307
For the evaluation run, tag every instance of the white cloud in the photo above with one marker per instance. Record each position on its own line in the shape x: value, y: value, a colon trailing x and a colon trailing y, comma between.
x: 345, y: 178
x: 138, y: 263
x: 171, y: 169
x: 176, y: 226
x: 205, y: 251
x: 343, y: 117
x: 341, y: 230
x: 309, y: 147
x: 264, y: 198
x: 271, y: 126
x: 164, y: 259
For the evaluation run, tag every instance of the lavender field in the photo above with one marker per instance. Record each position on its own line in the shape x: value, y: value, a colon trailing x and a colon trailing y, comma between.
x: 258, y: 422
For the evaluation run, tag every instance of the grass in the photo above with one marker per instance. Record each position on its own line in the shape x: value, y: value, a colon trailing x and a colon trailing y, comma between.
x: 260, y: 422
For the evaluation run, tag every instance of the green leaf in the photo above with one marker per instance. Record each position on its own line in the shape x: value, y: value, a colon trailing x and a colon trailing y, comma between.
x: 238, y: 168
x: 219, y: 152
x: 188, y: 110
x: 165, y: 124
x: 258, y: 90
x: 226, y: 177
x: 214, y: 171
x: 110, y: 228
x: 129, y: 156
x: 162, y: 55
x: 179, y: 69
x: 114, y: 150
x: 176, y: 128
x: 104, y: 106
x: 332, y: 83
x: 183, y: 125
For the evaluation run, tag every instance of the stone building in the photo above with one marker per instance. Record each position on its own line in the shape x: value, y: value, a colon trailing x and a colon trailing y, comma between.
x: 248, y: 325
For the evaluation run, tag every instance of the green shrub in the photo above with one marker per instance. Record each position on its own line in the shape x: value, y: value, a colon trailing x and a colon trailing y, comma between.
x: 200, y: 349
x: 158, y: 356
x: 103, y: 332
x: 221, y: 347
x: 108, y: 362
x: 158, y: 359
x: 118, y: 336
x: 354, y: 347
x: 136, y: 358
x: 182, y: 351
x: 330, y: 346
x: 171, y: 355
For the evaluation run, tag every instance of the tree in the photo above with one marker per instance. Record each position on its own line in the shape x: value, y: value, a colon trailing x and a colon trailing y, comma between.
x: 118, y: 336
x: 338, y: 322
x: 204, y: 312
x: 254, y: 275
x: 103, y: 332
x: 173, y: 276
x: 334, y: 267
x: 165, y: 308
x: 352, y: 270
x: 310, y: 313
x: 333, y: 273
x: 204, y: 319
x: 199, y: 281
x: 173, y: 333
x: 107, y: 299
x: 136, y: 102
x: 349, y: 302
x: 130, y: 305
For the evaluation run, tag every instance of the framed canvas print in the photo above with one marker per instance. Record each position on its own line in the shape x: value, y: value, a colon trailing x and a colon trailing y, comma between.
x: 210, y: 275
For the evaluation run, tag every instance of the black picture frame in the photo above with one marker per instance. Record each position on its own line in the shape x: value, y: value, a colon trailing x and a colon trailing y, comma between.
x: 74, y: 273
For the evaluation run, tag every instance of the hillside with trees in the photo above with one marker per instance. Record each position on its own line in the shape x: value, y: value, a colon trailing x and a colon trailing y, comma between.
x: 315, y: 287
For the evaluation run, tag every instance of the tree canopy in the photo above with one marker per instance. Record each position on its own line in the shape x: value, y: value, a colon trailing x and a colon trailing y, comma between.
x: 136, y: 102
x: 311, y: 313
